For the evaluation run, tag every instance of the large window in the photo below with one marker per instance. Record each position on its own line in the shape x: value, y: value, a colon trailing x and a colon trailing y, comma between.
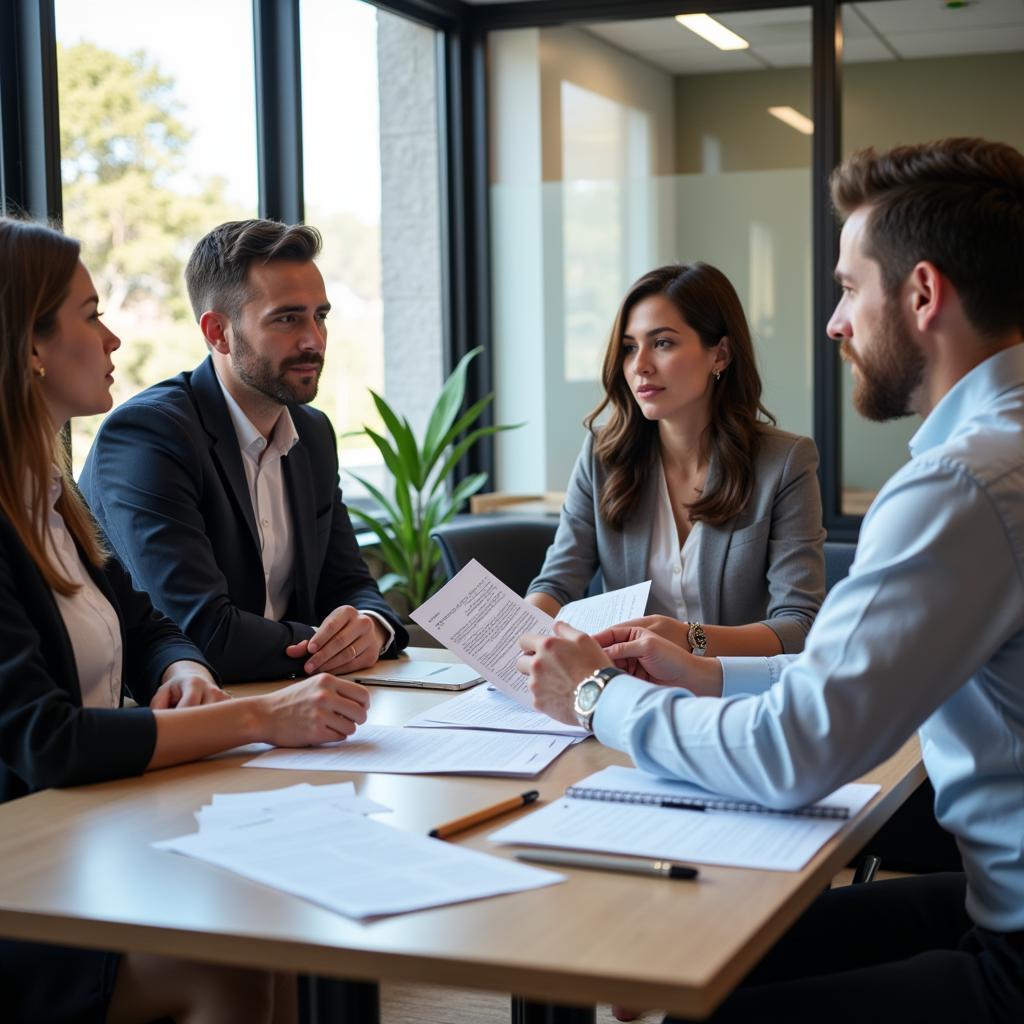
x: 371, y: 186
x: 158, y: 145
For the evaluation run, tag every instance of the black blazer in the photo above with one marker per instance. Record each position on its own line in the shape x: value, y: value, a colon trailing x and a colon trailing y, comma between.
x: 165, y: 479
x: 46, y: 737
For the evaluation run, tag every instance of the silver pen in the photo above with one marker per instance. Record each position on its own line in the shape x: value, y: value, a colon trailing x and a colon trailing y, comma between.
x: 609, y: 862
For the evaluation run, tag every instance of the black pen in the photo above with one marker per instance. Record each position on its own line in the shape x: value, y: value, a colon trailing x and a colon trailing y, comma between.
x: 609, y: 862
x: 681, y: 805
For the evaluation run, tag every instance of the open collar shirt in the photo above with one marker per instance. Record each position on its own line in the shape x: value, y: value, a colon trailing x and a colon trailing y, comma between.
x: 926, y: 633
x: 261, y: 459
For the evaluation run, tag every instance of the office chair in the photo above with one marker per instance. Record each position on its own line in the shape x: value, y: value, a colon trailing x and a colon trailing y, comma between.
x: 838, y: 559
x: 512, y: 547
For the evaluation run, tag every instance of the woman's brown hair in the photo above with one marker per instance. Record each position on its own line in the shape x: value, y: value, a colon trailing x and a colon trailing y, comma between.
x: 36, y: 267
x: 627, y: 444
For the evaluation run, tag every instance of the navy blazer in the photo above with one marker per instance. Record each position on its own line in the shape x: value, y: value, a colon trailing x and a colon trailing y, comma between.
x: 46, y: 737
x: 166, y: 482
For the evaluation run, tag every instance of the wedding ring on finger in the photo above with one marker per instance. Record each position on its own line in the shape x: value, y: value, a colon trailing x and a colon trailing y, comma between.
x: 352, y: 648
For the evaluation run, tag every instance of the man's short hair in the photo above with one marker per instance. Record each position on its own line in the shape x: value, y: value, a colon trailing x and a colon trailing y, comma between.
x: 957, y: 203
x: 218, y: 268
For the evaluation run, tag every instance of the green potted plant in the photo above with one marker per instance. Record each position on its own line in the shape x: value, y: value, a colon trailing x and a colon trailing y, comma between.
x: 420, y: 469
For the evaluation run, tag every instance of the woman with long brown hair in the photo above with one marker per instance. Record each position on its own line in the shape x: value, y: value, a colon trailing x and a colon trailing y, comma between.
x: 76, y: 638
x: 688, y: 482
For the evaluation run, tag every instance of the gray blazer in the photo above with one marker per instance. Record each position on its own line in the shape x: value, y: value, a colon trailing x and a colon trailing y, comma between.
x: 765, y: 565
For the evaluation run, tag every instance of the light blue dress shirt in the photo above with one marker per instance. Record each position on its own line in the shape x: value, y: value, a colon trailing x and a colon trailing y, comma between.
x: 926, y: 633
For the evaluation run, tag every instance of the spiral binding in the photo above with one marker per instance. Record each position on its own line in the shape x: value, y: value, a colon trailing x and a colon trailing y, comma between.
x: 624, y: 796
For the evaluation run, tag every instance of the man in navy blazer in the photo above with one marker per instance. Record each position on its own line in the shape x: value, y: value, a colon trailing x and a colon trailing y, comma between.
x: 218, y: 488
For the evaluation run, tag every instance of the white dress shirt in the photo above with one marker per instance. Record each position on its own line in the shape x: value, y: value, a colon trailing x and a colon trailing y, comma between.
x: 261, y: 460
x: 926, y: 633
x: 673, y: 571
x: 92, y: 624
x: 263, y: 473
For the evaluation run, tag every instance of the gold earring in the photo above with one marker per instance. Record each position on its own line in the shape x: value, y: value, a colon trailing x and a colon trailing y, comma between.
x: 718, y: 376
x: 40, y: 371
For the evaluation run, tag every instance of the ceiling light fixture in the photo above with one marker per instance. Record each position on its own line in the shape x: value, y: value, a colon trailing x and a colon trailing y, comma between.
x: 794, y: 119
x: 713, y: 31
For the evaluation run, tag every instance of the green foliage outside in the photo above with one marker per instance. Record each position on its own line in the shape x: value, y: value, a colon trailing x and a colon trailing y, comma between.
x: 129, y: 199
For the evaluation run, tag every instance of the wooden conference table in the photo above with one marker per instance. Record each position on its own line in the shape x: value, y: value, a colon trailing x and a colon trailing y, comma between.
x: 76, y: 868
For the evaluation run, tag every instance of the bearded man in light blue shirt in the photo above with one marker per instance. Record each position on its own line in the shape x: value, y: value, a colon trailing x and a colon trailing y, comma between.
x: 926, y: 633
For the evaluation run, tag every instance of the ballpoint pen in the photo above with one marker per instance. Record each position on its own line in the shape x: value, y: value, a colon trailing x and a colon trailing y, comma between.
x: 485, y: 814
x: 610, y: 862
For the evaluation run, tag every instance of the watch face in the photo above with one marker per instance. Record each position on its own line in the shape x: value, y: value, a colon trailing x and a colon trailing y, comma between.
x: 587, y: 696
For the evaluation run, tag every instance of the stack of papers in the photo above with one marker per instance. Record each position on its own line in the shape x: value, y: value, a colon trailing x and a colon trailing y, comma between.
x: 743, y: 839
x: 355, y: 866
x: 231, y: 809
x: 401, y: 751
x: 486, y: 708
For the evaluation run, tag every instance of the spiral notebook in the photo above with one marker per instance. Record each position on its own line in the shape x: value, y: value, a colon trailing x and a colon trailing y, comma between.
x: 630, y: 786
x: 625, y: 811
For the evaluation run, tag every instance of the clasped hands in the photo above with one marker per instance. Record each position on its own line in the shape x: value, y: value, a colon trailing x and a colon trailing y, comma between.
x: 346, y: 641
x: 653, y: 649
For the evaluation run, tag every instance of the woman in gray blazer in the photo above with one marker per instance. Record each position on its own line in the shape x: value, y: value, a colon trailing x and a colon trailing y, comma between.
x: 688, y: 483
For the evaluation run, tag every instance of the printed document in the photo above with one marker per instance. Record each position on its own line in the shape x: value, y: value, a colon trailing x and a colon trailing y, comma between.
x: 356, y: 866
x: 480, y: 619
x: 400, y: 751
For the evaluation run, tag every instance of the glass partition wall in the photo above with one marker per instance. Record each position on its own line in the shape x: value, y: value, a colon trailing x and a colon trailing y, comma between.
x: 619, y: 145
x: 914, y: 70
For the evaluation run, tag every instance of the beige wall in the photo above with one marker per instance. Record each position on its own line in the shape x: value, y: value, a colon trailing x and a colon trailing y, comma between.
x: 726, y: 114
x: 884, y: 104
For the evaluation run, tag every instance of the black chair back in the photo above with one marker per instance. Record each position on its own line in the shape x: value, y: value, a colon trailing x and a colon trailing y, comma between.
x: 838, y: 559
x: 512, y: 547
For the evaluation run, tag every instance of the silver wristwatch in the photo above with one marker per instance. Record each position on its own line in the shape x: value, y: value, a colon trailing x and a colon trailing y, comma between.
x: 589, y: 691
x: 697, y: 639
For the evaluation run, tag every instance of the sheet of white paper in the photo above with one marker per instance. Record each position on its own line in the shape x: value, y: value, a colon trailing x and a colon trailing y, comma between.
x: 484, y: 708
x: 735, y: 839
x: 480, y: 619
x: 264, y: 799
x: 592, y: 614
x: 220, y: 816
x: 388, y: 748
x: 357, y: 866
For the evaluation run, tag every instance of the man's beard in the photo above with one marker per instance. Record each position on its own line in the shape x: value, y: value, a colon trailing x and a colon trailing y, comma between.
x: 259, y: 372
x: 888, y: 374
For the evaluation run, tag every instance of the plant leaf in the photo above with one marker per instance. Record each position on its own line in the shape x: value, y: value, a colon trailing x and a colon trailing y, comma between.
x: 467, y: 442
x: 377, y: 495
x: 392, y: 554
x: 468, y: 418
x: 446, y: 408
x: 405, y: 441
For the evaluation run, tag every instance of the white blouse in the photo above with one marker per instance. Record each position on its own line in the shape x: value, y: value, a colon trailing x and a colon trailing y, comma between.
x: 90, y: 619
x: 673, y: 571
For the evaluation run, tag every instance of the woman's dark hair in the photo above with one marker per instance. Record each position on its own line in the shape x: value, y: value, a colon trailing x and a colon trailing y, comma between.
x: 37, y: 264
x: 627, y: 444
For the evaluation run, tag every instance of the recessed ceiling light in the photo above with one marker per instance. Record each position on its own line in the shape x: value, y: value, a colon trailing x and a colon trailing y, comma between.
x: 713, y: 31
x: 793, y: 118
